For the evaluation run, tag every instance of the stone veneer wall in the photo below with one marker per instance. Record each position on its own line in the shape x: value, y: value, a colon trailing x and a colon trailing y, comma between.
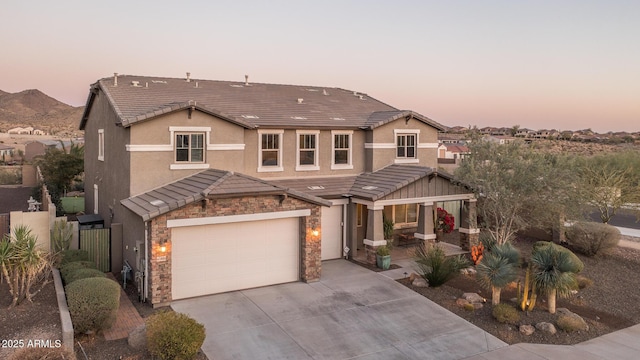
x: 160, y: 264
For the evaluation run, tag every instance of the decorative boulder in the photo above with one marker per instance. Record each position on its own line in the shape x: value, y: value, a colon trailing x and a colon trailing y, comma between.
x: 527, y: 330
x: 546, y: 327
x: 569, y: 321
x: 420, y: 282
x: 473, y: 298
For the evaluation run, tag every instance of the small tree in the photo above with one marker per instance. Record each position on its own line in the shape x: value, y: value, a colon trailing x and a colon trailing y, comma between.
x: 498, y: 268
x: 23, y: 264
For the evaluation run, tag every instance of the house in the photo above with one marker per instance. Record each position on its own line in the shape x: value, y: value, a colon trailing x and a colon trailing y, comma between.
x: 21, y: 131
x: 500, y: 139
x: 213, y: 186
x: 36, y: 148
x: 452, y: 151
x: 6, y: 152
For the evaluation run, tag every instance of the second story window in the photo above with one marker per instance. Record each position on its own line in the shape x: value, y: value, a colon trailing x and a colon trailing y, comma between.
x: 307, y: 150
x: 101, y: 144
x: 270, y: 150
x: 341, y: 150
x: 406, y: 146
x: 190, y: 148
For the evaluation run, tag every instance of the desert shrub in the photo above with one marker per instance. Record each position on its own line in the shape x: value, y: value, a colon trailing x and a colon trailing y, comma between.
x: 79, y: 274
x: 583, y: 281
x: 437, y: 268
x: 68, y: 268
x: 570, y: 323
x: 40, y: 353
x: 505, y: 313
x: 69, y: 256
x: 469, y: 307
x: 487, y: 240
x: 172, y: 335
x: 93, y: 303
x: 590, y: 238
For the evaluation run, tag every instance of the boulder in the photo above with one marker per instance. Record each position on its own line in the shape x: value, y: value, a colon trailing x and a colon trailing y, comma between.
x: 570, y: 321
x: 413, y: 276
x: 478, y: 306
x: 527, y: 330
x: 420, y: 282
x: 546, y: 327
x: 138, y: 337
x: 462, y: 302
x: 473, y: 298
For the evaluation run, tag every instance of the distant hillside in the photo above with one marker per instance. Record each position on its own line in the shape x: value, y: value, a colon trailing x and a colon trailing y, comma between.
x: 36, y: 109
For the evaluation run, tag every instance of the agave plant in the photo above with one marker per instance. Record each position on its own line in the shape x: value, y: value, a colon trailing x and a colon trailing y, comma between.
x: 498, y: 268
x: 436, y: 267
x: 554, y: 271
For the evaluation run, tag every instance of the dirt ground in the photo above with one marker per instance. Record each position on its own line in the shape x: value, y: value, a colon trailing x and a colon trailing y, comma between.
x: 608, y: 305
x: 29, y: 322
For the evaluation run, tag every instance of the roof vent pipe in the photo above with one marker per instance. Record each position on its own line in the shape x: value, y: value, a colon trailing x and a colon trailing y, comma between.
x: 188, y: 77
x: 246, y: 80
x: 115, y: 79
x: 300, y: 100
x: 196, y: 84
x: 324, y: 92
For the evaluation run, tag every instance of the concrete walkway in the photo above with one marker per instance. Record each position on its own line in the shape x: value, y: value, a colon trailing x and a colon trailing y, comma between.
x: 350, y: 313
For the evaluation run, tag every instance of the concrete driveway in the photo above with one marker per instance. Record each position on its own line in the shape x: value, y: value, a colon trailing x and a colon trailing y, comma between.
x: 351, y: 313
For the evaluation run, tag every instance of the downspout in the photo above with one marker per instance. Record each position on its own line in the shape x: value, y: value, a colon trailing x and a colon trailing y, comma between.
x: 146, y: 262
x: 345, y: 254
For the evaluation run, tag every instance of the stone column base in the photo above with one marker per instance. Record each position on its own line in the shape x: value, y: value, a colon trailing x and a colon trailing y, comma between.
x: 371, y: 253
x: 468, y: 239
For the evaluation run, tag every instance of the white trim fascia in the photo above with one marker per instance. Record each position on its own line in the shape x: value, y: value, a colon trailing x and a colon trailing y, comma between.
x: 406, y: 161
x: 149, y: 148
x: 424, y: 236
x: 264, y: 169
x: 307, y: 167
x: 375, y: 242
x: 223, y: 147
x: 188, y: 166
x: 427, y: 145
x: 189, y: 128
x: 469, y: 231
x: 380, y: 204
x: 349, y: 165
x: 339, y: 201
x: 406, y: 131
x: 212, y: 220
x: 379, y: 145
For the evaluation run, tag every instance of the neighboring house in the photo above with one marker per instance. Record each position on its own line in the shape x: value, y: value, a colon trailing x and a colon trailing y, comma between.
x: 218, y: 186
x: 452, y: 138
x: 21, y: 131
x: 40, y: 147
x: 6, y: 152
x: 453, y: 151
x: 500, y: 139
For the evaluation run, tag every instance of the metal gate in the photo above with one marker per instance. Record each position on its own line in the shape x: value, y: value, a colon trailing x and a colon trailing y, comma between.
x: 97, y: 242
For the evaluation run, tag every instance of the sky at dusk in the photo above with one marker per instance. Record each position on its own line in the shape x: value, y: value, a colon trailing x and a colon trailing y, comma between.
x: 566, y: 65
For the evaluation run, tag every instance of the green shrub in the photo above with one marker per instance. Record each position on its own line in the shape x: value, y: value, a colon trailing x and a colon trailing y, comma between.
x: 583, y: 281
x: 505, y: 313
x: 469, y: 307
x: 571, y: 323
x: 79, y: 274
x: 40, y: 353
x: 68, y: 268
x: 93, y: 303
x: 437, y: 268
x: 172, y: 335
x: 69, y: 256
x: 590, y: 238
x: 383, y: 250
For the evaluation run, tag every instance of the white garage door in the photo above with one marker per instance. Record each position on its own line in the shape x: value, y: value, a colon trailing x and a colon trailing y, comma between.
x: 210, y: 259
x: 331, y: 232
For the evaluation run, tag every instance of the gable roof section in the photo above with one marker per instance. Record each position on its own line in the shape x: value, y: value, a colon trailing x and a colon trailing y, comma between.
x: 212, y: 182
x: 326, y: 187
x: 378, y: 184
x: 252, y: 105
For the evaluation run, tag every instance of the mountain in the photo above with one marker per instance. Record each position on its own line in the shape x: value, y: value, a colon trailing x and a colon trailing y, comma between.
x: 40, y: 111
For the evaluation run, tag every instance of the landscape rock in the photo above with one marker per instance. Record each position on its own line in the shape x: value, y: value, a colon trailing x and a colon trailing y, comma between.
x: 478, y: 306
x: 570, y: 321
x: 138, y: 337
x: 413, y: 276
x: 471, y: 270
x: 420, y: 282
x: 527, y: 330
x: 546, y: 327
x: 473, y: 298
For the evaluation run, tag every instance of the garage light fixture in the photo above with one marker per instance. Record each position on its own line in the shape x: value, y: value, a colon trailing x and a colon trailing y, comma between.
x: 163, y: 245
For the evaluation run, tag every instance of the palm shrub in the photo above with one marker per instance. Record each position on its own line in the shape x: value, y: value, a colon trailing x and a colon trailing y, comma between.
x: 498, y: 268
x: 590, y: 238
x: 554, y: 270
x: 172, y: 335
x: 437, y: 268
x: 23, y: 264
x: 93, y: 303
x: 79, y: 274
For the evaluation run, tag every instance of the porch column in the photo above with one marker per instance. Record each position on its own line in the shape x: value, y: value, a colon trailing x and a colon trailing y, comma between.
x: 469, y: 232
x: 375, y: 233
x: 425, y: 223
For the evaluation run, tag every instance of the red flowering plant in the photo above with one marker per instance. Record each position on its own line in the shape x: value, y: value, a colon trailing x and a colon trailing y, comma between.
x: 446, y: 222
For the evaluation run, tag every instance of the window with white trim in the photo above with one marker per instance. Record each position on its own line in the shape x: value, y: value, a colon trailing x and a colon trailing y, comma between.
x: 307, y: 150
x: 403, y: 215
x: 270, y: 150
x: 341, y: 144
x: 406, y: 146
x: 189, y: 148
x: 101, y: 144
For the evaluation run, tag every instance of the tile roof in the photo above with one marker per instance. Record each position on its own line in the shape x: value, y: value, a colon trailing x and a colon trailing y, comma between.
x: 252, y: 105
x: 212, y: 182
x: 378, y: 184
x: 326, y: 187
